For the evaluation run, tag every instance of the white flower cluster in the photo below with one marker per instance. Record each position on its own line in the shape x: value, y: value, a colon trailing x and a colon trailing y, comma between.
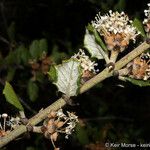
x: 13, y: 122
x: 70, y: 120
x: 147, y: 14
x: 8, y: 123
x: 115, y: 23
x: 60, y: 114
x: 86, y: 63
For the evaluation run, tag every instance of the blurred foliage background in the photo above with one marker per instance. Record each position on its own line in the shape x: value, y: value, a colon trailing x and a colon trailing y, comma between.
x: 34, y: 34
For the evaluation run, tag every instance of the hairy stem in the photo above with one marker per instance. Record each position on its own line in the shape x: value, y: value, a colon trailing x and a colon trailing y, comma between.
x: 61, y: 102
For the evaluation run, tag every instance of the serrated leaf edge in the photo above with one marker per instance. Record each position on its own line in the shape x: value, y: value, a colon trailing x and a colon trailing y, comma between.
x: 79, y: 71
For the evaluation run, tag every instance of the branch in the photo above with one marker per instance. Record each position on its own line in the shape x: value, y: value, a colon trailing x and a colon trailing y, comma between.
x: 118, y: 65
x: 61, y: 102
x: 33, y: 121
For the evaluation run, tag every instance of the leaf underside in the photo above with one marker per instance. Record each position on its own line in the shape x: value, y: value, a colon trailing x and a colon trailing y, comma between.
x: 68, y: 74
x: 90, y: 44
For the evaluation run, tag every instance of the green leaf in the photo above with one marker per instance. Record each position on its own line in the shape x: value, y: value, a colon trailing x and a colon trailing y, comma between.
x: 18, y: 54
x: 11, y: 58
x: 94, y: 49
x: 11, y: 31
x: 34, y: 48
x: 33, y: 90
x: 11, y: 96
x: 40, y: 77
x: 23, y: 54
x: 57, y: 56
x: 10, y: 73
x: 37, y: 48
x: 68, y: 76
x: 82, y: 135
x: 90, y: 28
x: 139, y: 26
x: 53, y: 74
x: 43, y: 46
x: 100, y: 41
x: 140, y: 83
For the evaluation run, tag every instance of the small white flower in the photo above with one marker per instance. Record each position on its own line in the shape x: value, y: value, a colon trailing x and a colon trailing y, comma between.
x: 67, y: 130
x: 85, y: 61
x: 72, y: 116
x: 71, y: 125
x: 147, y: 14
x: 13, y: 122
x: 146, y: 21
x: 70, y: 128
x: 4, y: 115
x: 60, y: 114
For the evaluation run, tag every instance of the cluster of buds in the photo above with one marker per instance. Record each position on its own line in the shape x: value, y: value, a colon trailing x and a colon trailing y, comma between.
x: 139, y: 68
x: 7, y: 124
x: 116, y: 28
x: 58, y: 122
x: 41, y: 65
x: 87, y: 65
x: 146, y: 21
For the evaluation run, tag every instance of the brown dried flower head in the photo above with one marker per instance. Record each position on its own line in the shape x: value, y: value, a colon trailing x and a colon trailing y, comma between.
x: 116, y: 28
x: 140, y: 67
x: 58, y: 122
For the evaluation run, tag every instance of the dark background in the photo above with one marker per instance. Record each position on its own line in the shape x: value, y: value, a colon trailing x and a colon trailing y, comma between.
x: 113, y: 111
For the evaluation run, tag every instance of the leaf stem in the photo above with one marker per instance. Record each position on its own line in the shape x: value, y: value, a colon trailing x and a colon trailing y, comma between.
x: 114, y: 55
